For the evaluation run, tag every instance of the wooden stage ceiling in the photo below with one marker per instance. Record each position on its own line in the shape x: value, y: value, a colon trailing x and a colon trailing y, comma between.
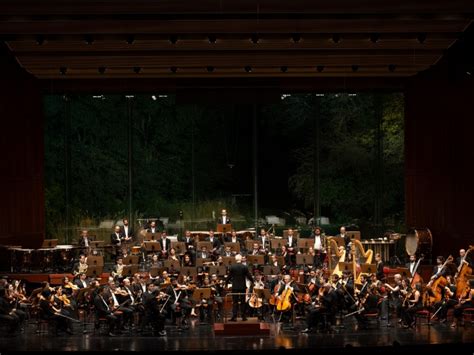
x: 180, y: 41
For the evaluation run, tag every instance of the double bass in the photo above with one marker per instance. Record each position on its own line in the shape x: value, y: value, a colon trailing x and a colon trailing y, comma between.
x: 437, y: 284
x: 416, y: 278
x: 462, y: 282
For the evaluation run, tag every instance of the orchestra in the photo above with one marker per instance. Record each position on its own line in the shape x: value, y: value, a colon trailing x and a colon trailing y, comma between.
x: 275, y: 288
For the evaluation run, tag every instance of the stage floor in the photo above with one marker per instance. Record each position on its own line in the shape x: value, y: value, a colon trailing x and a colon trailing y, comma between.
x: 201, y: 338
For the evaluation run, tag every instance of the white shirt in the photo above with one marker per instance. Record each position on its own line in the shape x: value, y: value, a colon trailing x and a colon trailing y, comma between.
x: 412, y: 267
x: 115, y: 299
x: 125, y: 229
x: 290, y: 241
x: 224, y: 220
x: 317, y: 242
x: 84, y: 284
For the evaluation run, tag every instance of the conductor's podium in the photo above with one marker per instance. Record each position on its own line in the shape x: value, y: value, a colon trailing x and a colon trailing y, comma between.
x: 249, y: 327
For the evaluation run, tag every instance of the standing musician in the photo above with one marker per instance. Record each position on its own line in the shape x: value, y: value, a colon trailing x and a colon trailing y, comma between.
x: 264, y: 240
x: 165, y: 244
x: 347, y: 242
x: 395, y: 295
x: 292, y: 245
x: 85, y: 241
x: 189, y: 244
x: 127, y: 232
x: 319, y: 246
x: 238, y: 273
x: 411, y: 265
x: 380, y: 266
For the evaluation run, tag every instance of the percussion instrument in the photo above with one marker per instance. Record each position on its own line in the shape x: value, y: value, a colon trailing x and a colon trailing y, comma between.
x: 418, y: 242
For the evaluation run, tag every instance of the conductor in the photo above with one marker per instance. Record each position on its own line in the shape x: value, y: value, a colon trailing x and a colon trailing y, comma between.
x: 238, y: 273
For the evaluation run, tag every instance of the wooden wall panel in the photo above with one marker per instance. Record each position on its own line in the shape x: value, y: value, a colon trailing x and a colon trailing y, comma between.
x: 22, y: 217
x: 439, y: 156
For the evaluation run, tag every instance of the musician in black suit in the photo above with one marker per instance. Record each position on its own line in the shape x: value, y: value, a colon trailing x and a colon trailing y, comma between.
x: 439, y: 269
x: 104, y: 310
x: 216, y: 244
x: 347, y: 241
x: 264, y: 240
x: 238, y: 274
x: 165, y: 244
x: 319, y: 246
x: 464, y: 258
x: 116, y: 240
x: 152, y: 228
x: 85, y: 241
x: 380, y: 266
x: 411, y: 265
x: 127, y: 231
x: 189, y: 244
x: 224, y: 219
x: 81, y: 281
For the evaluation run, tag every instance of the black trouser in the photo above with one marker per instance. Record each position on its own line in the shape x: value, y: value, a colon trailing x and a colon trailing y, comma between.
x: 443, y: 307
x: 238, y: 301
x: 12, y: 320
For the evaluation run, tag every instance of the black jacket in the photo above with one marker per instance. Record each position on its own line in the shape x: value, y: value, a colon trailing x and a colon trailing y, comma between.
x: 238, y: 273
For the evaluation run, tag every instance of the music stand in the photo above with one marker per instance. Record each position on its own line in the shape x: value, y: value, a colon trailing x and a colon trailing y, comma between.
x: 201, y: 293
x: 156, y: 271
x: 96, y: 244
x: 368, y: 268
x: 180, y: 247
x: 94, y: 271
x: 255, y: 259
x: 266, y: 294
x: 218, y: 270
x: 95, y: 260
x: 303, y: 259
x: 49, y: 243
x: 207, y: 244
x: 224, y: 228
x: 129, y: 270
x: 353, y: 234
x: 201, y: 261
x: 131, y: 260
x: 277, y: 243
x: 305, y: 243
x: 228, y: 260
x: 343, y: 266
x: 80, y: 294
x: 233, y: 246
x: 169, y: 264
x: 189, y: 271
x: 339, y: 241
x: 152, y: 246
x: 404, y: 271
x: 271, y: 270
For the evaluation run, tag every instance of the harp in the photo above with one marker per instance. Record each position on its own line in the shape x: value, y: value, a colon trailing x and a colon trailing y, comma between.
x: 336, y: 254
x: 361, y: 259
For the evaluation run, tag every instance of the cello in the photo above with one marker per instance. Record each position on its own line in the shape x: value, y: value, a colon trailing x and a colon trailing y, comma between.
x: 284, y: 303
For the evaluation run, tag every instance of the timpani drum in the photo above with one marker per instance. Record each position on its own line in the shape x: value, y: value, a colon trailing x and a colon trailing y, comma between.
x: 419, y: 242
x: 136, y: 250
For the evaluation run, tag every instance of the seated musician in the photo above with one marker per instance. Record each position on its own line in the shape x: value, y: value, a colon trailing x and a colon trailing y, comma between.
x: 81, y: 266
x: 82, y: 281
x: 368, y: 304
x: 203, y: 253
x: 286, y: 256
x: 172, y: 255
x: 7, y: 313
x: 321, y: 308
x: 228, y: 251
x: 233, y: 238
x: 154, y: 262
x: 117, y: 269
x: 448, y: 300
x: 103, y: 309
x: 466, y: 300
x: 52, y: 313
x: 120, y: 301
x: 124, y: 252
x: 255, y: 302
x: 215, y: 243
x: 179, y: 304
x: 287, y: 286
x: 274, y: 261
x: 187, y: 260
x: 206, y: 305
x: 256, y: 250
x: 413, y: 303
x: 132, y: 296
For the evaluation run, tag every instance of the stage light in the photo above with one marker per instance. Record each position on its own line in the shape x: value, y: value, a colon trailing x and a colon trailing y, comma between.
x: 284, y: 69
x: 102, y: 70
x: 173, y: 69
x: 210, y: 69
x: 320, y: 68
x: 284, y: 96
x: 468, y: 72
x: 374, y: 37
x: 88, y: 39
x: 254, y: 39
x: 355, y: 68
x: 39, y: 40
x: 129, y: 96
x: 173, y: 39
x: 392, y: 67
x: 162, y: 96
x: 320, y: 95
x: 421, y: 38
x: 101, y: 97
x: 336, y: 38
x: 63, y: 70
x: 248, y: 68
x: 137, y: 70
x: 130, y: 39
x: 296, y: 37
x: 212, y: 39
x: 153, y: 97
